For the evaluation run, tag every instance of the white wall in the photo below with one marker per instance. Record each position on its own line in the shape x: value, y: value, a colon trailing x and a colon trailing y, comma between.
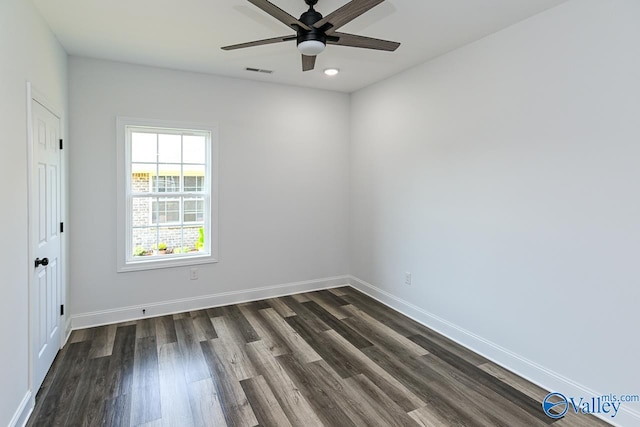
x: 504, y: 175
x: 282, y: 181
x: 28, y: 52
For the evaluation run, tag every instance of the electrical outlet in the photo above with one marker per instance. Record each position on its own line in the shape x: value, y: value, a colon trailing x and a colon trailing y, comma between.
x: 193, y: 274
x: 407, y: 278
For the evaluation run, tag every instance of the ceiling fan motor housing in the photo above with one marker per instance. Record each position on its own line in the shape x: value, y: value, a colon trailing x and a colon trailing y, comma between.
x: 309, y: 18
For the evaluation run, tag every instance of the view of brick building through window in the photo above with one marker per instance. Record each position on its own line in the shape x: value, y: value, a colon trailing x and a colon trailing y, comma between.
x: 167, y: 193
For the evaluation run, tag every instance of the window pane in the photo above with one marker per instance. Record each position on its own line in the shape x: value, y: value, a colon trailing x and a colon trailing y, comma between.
x: 143, y: 241
x: 165, y: 210
x: 194, y: 183
x: 169, y: 239
x: 194, y: 237
x: 141, y: 177
x: 194, y: 177
x: 144, y: 147
x: 166, y: 183
x: 194, y: 149
x: 141, y: 209
x: 169, y: 148
x: 194, y: 210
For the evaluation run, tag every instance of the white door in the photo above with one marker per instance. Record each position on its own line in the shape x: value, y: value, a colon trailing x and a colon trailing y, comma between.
x: 45, y: 239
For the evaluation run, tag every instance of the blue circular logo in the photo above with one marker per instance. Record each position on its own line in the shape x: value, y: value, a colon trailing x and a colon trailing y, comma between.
x: 557, y: 403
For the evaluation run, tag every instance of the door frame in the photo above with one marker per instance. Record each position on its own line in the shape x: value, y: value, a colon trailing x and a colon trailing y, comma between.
x: 33, y: 95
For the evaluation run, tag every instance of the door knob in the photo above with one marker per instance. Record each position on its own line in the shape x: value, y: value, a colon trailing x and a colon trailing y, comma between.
x: 44, y: 262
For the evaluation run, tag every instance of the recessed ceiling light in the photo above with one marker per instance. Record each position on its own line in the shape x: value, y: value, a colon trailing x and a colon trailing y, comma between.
x: 331, y: 71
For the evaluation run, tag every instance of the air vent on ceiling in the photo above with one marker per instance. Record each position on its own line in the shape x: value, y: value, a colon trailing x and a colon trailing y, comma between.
x: 259, y: 70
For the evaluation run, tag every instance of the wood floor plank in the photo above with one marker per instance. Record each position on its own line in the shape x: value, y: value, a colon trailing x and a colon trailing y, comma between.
x: 427, y: 418
x: 293, y: 403
x: 393, y: 388
x: 514, y: 381
x: 384, y: 408
x: 323, y: 299
x: 266, y: 333
x: 453, y: 347
x: 265, y: 405
x: 204, y: 330
x: 511, y: 394
x: 300, y: 298
x: 335, y: 299
x: 102, y: 341
x: 297, y: 345
x: 480, y: 400
x: 79, y: 408
x: 579, y: 420
x: 80, y: 335
x: 229, y: 347
x: 120, y: 375
x: 215, y: 312
x: 342, y: 328
x: 235, y: 406
x: 178, y: 316
x: 322, y: 400
x: 385, y: 315
x: 174, y: 393
x: 278, y: 305
x: 381, y: 334
x: 255, y: 305
x: 98, y: 390
x: 341, y: 364
x: 146, y: 328
x: 154, y: 423
x: 359, y: 410
x: 195, y: 367
x: 341, y: 291
x: 53, y: 371
x: 306, y: 315
x: 233, y: 313
x: 117, y: 411
x: 145, y: 400
x: 165, y: 331
x: 425, y: 386
x: 205, y: 404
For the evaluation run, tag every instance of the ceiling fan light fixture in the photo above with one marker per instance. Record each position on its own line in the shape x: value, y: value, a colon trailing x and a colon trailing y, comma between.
x: 311, y: 47
x: 331, y: 71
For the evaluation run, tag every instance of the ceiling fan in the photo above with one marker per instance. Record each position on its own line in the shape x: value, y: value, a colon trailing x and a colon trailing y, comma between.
x: 313, y: 31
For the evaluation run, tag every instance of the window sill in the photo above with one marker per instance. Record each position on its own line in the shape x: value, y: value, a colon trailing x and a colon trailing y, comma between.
x: 157, y: 263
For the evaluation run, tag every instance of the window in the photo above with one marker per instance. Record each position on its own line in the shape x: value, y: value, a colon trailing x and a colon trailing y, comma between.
x: 167, y: 199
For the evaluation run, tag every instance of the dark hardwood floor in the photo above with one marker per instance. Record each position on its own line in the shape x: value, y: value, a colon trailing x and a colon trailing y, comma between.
x: 333, y: 358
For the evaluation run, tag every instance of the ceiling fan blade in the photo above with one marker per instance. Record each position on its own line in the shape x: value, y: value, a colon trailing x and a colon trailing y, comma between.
x: 308, y: 62
x: 353, y: 40
x: 259, y: 42
x: 345, y: 14
x: 279, y: 14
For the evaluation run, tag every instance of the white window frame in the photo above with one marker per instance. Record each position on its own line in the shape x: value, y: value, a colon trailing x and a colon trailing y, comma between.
x: 125, y: 261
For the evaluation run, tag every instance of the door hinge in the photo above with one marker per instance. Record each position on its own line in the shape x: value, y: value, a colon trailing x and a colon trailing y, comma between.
x: 62, y: 227
x: 61, y: 143
x: 61, y: 309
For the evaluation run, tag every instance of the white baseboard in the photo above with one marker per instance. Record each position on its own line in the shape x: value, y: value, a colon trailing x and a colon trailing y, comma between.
x: 124, y: 314
x: 21, y: 416
x: 527, y: 369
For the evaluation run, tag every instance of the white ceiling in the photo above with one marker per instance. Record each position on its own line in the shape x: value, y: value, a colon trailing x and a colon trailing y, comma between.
x: 188, y: 34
